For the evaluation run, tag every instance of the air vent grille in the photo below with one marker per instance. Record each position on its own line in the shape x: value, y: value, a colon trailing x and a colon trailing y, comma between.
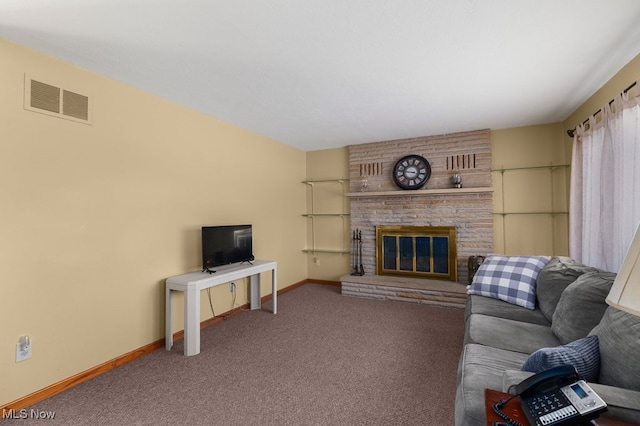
x: 55, y: 101
x: 45, y: 96
x: 75, y: 105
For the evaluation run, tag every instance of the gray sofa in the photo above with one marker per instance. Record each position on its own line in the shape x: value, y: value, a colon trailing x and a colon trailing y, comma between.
x: 500, y: 337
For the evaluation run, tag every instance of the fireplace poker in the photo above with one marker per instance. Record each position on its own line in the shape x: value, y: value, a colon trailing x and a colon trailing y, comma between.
x: 361, y: 271
x: 354, y: 261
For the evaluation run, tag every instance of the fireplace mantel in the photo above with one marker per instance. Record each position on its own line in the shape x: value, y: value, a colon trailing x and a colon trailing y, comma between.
x: 420, y: 192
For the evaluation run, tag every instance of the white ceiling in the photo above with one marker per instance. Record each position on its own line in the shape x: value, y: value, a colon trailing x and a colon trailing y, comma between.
x: 320, y: 74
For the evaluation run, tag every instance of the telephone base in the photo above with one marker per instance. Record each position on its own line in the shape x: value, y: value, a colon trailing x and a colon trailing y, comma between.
x: 514, y: 410
x: 574, y: 404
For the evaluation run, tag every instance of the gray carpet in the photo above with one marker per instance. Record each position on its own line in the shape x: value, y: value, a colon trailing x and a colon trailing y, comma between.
x: 324, y: 359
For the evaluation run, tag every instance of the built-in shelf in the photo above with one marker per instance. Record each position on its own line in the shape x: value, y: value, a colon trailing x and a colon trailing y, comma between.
x: 510, y: 213
x: 505, y: 176
x: 420, y: 192
x: 325, y: 214
x: 326, y: 251
x: 311, y: 183
x: 551, y: 166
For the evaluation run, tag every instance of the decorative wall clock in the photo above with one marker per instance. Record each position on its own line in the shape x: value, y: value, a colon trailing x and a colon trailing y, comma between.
x: 411, y: 172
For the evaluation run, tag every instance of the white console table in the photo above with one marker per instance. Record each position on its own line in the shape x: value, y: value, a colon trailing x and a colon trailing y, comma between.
x: 193, y: 282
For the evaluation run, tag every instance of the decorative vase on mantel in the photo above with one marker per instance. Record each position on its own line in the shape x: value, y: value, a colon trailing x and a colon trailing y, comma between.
x: 457, y: 180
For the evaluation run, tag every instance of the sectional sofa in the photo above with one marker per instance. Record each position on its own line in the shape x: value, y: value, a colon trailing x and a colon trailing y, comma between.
x: 558, y: 315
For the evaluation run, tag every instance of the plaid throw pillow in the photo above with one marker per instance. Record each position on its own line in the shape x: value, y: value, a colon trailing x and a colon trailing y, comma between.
x: 509, y: 278
x: 583, y: 354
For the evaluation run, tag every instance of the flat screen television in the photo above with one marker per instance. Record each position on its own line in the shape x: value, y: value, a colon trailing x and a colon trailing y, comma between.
x: 222, y: 245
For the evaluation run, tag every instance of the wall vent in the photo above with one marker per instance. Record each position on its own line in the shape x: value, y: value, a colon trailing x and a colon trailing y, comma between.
x: 371, y: 169
x: 55, y: 101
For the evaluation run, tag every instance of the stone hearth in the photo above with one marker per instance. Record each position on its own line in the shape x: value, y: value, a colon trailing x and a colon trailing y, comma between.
x: 414, y: 290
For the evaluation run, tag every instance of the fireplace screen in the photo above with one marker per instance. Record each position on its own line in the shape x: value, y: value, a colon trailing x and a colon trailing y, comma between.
x: 419, y: 251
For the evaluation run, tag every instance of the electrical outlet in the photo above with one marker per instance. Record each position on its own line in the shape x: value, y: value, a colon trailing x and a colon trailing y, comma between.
x: 232, y: 287
x: 23, y: 349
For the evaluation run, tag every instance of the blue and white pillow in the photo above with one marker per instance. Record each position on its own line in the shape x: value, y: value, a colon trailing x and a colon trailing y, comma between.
x: 583, y: 354
x: 509, y: 278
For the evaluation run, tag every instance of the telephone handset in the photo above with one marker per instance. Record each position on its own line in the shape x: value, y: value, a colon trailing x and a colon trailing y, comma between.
x: 547, y: 380
x: 556, y: 397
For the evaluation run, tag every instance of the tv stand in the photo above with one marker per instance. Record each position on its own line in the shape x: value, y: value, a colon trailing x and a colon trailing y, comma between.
x: 209, y: 271
x: 193, y: 282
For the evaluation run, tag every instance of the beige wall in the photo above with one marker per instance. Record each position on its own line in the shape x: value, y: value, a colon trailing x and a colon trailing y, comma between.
x: 330, y: 232
x: 95, y: 218
x: 530, y: 199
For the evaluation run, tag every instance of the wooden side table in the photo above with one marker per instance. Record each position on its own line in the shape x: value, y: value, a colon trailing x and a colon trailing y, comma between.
x: 514, y: 410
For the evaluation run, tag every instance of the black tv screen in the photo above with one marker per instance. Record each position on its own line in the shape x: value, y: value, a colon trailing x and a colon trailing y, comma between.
x: 222, y: 245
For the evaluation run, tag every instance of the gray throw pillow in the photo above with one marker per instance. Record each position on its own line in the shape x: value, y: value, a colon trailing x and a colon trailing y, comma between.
x: 619, y: 340
x: 556, y: 275
x: 581, y: 306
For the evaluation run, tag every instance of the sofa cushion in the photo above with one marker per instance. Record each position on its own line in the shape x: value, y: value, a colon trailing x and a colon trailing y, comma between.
x: 619, y: 337
x: 581, y: 305
x: 508, y: 334
x: 497, y: 308
x: 480, y: 367
x: 509, y: 278
x: 583, y: 354
x: 554, y: 277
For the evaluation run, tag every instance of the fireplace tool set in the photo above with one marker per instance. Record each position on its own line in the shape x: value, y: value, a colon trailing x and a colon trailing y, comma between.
x: 356, y: 253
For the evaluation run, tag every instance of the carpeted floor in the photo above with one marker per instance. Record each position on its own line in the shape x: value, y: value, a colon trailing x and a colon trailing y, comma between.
x: 324, y: 359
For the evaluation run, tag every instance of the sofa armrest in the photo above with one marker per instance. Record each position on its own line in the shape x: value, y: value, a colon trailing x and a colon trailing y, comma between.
x: 622, y: 404
x: 510, y: 378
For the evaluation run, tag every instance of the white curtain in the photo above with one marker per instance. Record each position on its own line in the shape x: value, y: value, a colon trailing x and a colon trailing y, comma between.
x: 605, y: 185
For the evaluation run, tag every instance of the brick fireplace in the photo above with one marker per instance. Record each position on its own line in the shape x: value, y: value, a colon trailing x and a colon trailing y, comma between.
x: 376, y: 201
